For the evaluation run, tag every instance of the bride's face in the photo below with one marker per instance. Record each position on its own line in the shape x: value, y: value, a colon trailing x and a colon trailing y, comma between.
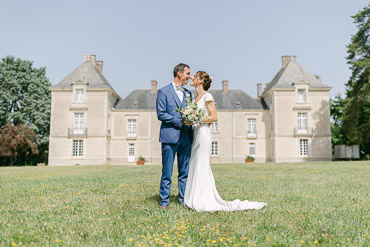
x: 195, y: 81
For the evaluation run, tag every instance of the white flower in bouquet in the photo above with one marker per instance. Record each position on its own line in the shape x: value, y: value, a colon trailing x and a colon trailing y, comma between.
x: 191, y: 113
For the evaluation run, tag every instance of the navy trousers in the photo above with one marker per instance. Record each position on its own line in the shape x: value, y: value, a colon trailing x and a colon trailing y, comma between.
x: 183, y: 149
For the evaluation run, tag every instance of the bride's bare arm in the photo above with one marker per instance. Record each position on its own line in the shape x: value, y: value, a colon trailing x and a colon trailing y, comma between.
x: 211, y: 108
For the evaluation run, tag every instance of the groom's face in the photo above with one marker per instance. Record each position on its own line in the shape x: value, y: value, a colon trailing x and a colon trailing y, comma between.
x: 185, y: 76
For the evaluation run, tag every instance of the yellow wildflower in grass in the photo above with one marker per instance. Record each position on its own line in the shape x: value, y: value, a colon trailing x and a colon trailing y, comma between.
x: 315, y: 242
x: 14, y: 244
x: 302, y: 242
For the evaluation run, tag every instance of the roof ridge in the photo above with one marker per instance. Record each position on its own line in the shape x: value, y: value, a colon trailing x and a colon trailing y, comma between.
x: 290, y: 73
x: 87, y: 72
x: 276, y: 78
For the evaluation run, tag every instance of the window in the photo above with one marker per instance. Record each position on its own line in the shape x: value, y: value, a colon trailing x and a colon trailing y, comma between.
x: 302, y: 122
x: 214, y: 148
x: 78, y: 148
x: 303, y: 147
x: 251, y: 127
x: 301, y: 95
x: 214, y: 127
x: 79, y: 95
x: 131, y: 128
x: 78, y: 123
x: 131, y: 152
x: 252, y: 149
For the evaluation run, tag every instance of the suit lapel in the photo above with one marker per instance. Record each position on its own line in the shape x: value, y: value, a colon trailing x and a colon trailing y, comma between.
x: 176, y: 98
x: 184, y: 98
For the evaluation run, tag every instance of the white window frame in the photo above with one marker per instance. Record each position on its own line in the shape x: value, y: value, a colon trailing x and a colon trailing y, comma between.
x: 214, y: 126
x: 252, y: 128
x: 131, y: 128
x: 131, y: 152
x: 77, y: 148
x: 302, y: 122
x: 214, y: 150
x: 252, y: 150
x: 301, y: 95
x: 78, y: 122
x: 303, y: 147
x: 79, y: 95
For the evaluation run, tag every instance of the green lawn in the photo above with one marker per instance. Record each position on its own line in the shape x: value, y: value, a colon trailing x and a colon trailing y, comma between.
x: 309, y: 204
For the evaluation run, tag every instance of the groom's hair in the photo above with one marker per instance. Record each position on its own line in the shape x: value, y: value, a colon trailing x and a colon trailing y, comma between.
x: 179, y: 68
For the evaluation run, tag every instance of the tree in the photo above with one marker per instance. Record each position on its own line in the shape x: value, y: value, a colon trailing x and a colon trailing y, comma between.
x: 25, y: 99
x: 338, y: 136
x: 17, y: 143
x: 356, y: 105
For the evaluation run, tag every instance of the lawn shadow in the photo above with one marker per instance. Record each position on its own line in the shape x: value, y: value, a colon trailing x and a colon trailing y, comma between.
x: 155, y: 198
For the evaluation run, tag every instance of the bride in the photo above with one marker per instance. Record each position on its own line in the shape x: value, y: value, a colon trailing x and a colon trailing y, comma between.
x: 200, y: 192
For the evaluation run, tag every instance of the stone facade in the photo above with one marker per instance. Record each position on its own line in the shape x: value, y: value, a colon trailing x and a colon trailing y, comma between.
x: 92, y: 125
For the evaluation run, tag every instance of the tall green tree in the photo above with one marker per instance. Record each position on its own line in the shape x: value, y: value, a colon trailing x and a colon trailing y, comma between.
x: 25, y: 99
x: 356, y: 105
x: 338, y: 135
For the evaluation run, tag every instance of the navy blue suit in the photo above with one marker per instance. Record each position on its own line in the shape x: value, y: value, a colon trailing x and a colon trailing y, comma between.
x: 175, y: 138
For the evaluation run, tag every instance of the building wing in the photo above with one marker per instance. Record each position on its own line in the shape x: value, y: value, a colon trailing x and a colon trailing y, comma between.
x: 232, y: 100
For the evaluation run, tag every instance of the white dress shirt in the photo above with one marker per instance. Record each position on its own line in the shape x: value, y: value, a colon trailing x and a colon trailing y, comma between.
x: 178, y: 92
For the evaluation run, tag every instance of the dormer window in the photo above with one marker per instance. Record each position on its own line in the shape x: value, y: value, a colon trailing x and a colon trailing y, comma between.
x: 79, y: 95
x: 301, y: 95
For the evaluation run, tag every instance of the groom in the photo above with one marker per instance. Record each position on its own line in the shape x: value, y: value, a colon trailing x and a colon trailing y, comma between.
x: 174, y: 135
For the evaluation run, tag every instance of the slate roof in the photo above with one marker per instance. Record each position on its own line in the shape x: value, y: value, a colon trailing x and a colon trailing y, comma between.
x: 233, y: 100
x: 86, y: 72
x: 293, y: 72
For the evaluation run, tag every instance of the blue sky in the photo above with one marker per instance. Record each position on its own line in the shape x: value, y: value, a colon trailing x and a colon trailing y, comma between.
x: 237, y: 40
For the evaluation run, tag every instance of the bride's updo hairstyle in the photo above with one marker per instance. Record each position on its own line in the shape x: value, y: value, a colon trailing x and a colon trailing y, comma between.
x: 207, y: 79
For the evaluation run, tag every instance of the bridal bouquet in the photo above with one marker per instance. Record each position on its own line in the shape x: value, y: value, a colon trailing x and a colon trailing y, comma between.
x: 192, y: 114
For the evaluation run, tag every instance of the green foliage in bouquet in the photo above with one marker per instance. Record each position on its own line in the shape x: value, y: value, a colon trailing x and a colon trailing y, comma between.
x: 191, y: 113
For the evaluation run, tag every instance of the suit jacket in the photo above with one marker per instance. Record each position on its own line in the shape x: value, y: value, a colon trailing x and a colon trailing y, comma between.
x: 167, y: 103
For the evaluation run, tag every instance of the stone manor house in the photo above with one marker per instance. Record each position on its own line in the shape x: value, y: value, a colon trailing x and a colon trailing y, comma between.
x: 92, y: 125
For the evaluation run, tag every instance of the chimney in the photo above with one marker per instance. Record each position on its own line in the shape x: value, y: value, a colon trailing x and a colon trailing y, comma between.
x: 154, y: 86
x: 259, y: 90
x: 287, y: 59
x: 225, y: 86
x: 99, y: 66
x: 91, y: 58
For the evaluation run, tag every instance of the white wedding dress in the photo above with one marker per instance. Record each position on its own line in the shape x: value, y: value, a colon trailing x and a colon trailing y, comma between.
x: 200, y: 192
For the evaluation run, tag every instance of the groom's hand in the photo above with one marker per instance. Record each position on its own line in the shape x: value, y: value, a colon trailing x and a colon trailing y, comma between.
x: 186, y: 123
